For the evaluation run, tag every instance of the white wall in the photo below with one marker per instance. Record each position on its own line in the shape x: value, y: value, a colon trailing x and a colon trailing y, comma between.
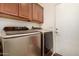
x: 67, y: 42
x: 49, y: 15
x: 49, y: 18
x: 12, y: 22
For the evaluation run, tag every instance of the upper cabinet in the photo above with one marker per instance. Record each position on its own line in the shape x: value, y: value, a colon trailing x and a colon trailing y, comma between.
x: 9, y: 8
x: 32, y: 12
x: 37, y: 13
x: 25, y: 10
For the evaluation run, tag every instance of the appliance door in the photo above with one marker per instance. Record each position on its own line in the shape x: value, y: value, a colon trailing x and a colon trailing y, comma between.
x: 48, y: 43
x: 22, y: 46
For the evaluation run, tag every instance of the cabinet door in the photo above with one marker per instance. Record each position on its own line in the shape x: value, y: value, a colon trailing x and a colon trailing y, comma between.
x: 37, y: 13
x: 25, y: 10
x: 9, y: 8
x: 40, y: 14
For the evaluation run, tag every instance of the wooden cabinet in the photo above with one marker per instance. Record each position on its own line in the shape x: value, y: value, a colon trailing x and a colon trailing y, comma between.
x: 37, y: 13
x: 32, y: 12
x: 9, y: 8
x: 25, y: 11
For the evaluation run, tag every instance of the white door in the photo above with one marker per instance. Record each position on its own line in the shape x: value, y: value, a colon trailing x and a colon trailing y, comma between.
x: 67, y: 24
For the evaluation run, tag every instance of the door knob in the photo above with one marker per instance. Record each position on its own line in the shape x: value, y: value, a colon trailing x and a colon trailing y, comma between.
x: 56, y: 28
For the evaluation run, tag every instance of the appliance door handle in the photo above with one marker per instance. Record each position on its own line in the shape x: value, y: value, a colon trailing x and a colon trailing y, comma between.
x: 19, y: 35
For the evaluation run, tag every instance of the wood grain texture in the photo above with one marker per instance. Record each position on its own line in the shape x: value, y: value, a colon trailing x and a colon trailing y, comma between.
x: 37, y: 13
x: 25, y: 10
x: 9, y: 8
x: 32, y: 12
